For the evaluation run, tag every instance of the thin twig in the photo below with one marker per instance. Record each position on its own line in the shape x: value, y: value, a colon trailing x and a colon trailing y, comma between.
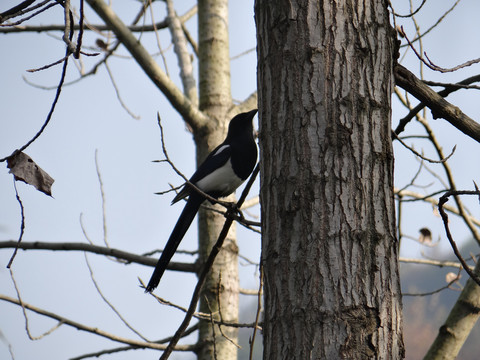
x: 22, y: 226
x: 434, y: 67
x: 157, y: 37
x: 440, y: 19
x: 117, y: 92
x: 443, y: 200
x: 428, y: 293
x: 94, y: 330
x: 259, y: 310
x: 434, y: 202
x: 110, y: 305
x: 213, y: 200
x: 80, y: 32
x: 420, y: 155
x: 214, y: 340
x: 432, y: 262
x: 102, y: 194
x: 48, y: 6
x: 27, y: 328
x: 50, y: 113
x: 97, y: 354
x: 129, y: 258
x: 220, y: 313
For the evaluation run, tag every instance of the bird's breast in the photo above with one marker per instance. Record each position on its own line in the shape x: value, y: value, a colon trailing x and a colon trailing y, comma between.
x: 221, y: 182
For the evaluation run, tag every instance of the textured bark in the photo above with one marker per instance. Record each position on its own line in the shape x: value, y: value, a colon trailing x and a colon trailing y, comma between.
x: 221, y: 288
x: 329, y: 248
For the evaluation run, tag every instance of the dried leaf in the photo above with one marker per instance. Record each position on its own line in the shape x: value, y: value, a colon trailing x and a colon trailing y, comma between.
x: 25, y: 169
x: 451, y: 276
x: 425, y: 236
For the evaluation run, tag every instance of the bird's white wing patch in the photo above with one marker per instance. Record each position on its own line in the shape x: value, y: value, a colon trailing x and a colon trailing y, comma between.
x: 223, y: 180
x: 220, y: 149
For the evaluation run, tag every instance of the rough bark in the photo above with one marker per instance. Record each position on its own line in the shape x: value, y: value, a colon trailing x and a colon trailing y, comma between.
x: 329, y: 247
x: 221, y: 289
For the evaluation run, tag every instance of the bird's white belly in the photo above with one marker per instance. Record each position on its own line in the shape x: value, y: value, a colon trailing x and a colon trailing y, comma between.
x: 223, y: 181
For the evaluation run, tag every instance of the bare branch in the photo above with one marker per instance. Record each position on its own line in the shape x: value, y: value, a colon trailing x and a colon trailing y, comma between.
x: 432, y: 262
x: 259, y: 310
x: 449, y: 88
x: 213, y: 200
x: 434, y: 202
x: 27, y: 327
x: 50, y: 113
x: 22, y: 226
x: 461, y: 209
x: 434, y: 67
x: 439, y: 106
x: 102, y: 194
x: 110, y: 305
x: 117, y: 92
x: 190, y: 113
x: 126, y: 348
x: 100, y: 250
x: 428, y: 293
x: 444, y: 215
x: 95, y: 27
x: 208, y: 264
x: 4, y: 16
x: 17, y: 9
x: 420, y: 155
x: 197, y: 314
x: 248, y: 104
x: 94, y: 330
x: 440, y: 19
x: 184, y: 60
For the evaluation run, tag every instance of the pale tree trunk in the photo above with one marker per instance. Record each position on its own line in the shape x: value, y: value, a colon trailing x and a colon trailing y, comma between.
x: 459, y: 324
x: 329, y: 249
x: 220, y: 292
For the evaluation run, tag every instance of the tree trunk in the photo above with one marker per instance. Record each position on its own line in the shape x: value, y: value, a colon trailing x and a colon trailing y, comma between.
x: 329, y: 248
x: 221, y: 289
x: 459, y: 324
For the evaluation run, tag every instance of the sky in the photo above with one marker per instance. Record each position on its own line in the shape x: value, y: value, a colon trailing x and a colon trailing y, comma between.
x: 89, y: 120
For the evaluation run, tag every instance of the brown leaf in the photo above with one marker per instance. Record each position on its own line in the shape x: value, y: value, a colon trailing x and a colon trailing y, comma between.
x: 24, y: 169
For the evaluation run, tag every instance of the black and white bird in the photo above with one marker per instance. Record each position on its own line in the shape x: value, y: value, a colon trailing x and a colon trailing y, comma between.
x: 225, y: 169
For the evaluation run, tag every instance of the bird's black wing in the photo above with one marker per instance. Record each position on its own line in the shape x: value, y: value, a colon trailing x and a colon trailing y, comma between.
x: 216, y: 159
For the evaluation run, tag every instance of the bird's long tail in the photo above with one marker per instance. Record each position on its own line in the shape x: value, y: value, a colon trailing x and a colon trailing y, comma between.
x: 181, y: 227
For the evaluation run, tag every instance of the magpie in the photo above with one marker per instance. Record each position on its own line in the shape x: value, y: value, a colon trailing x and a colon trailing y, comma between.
x: 224, y: 169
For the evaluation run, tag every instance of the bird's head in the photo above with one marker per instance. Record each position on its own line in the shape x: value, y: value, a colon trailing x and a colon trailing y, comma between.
x: 240, y: 123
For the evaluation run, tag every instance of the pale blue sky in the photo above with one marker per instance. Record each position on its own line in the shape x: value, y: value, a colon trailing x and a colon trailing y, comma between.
x: 89, y: 117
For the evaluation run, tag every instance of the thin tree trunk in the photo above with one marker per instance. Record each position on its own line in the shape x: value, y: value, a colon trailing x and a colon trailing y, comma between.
x: 329, y: 249
x: 220, y: 292
x: 459, y: 324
